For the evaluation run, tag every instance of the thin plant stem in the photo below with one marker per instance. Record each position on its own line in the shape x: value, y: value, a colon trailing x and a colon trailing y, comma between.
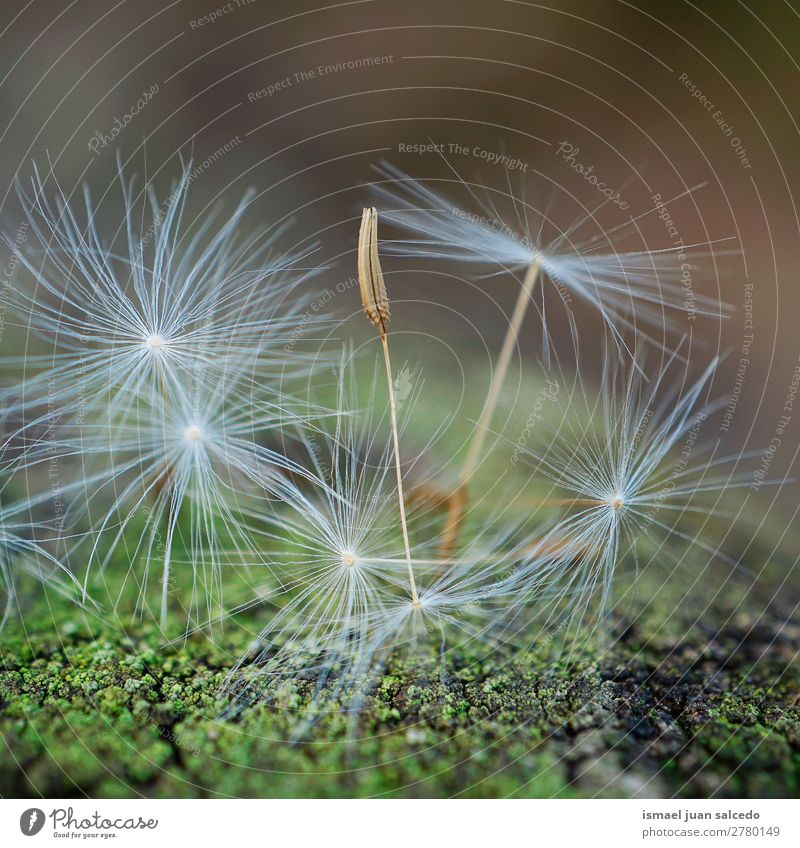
x: 396, y: 445
x: 458, y: 501
x: 162, y: 383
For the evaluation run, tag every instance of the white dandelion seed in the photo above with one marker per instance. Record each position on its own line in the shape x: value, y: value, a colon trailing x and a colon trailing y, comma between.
x: 633, y: 462
x: 341, y: 604
x: 183, y: 472
x: 630, y: 290
x: 138, y: 313
x: 337, y: 557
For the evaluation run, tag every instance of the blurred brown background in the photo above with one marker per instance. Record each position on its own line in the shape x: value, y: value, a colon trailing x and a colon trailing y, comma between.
x: 237, y: 87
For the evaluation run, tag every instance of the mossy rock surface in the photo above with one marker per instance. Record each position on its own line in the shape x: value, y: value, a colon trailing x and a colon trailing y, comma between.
x: 716, y: 713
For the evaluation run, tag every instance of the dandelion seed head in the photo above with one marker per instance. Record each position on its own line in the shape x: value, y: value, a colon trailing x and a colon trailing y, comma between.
x: 639, y: 469
x: 349, y: 559
x: 193, y: 433
x: 191, y: 453
x: 134, y: 313
x: 154, y: 341
x: 638, y: 291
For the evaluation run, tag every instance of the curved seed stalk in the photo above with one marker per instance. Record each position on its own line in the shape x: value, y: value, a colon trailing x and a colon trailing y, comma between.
x: 458, y: 500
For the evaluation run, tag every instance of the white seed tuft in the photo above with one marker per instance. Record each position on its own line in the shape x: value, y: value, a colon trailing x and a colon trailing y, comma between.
x: 193, y: 433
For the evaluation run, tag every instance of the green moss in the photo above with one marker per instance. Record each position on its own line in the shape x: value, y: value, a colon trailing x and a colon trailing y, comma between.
x: 685, y: 702
x: 115, y: 716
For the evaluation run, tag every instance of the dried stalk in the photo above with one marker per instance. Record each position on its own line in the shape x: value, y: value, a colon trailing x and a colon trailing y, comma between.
x: 458, y: 500
x: 376, y: 307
